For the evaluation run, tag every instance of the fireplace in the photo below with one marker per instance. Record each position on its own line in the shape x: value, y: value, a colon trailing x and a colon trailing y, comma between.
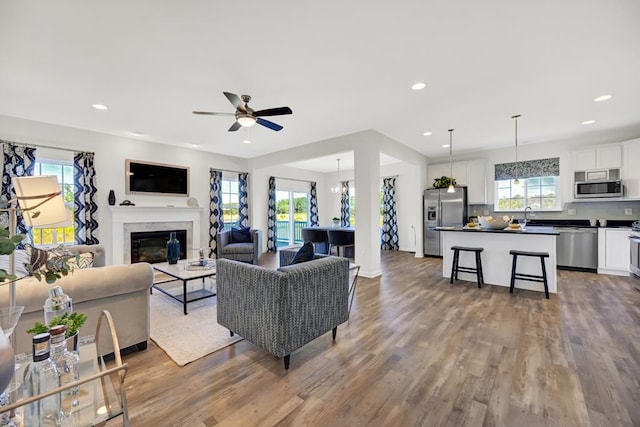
x: 151, y: 246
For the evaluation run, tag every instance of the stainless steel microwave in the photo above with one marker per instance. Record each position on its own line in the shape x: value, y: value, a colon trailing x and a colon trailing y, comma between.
x: 596, y: 189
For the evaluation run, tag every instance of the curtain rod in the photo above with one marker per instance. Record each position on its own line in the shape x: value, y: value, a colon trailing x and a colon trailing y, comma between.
x: 226, y: 170
x: 294, y: 179
x: 45, y: 146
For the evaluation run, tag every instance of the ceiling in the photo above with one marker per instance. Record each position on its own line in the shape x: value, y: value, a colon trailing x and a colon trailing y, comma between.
x: 343, y: 67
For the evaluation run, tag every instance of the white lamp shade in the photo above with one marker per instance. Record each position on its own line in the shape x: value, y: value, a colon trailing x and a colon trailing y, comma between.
x: 41, y: 201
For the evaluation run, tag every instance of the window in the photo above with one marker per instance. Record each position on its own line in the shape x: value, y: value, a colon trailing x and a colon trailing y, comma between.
x: 539, y: 193
x: 64, y: 172
x: 352, y: 205
x: 230, y: 203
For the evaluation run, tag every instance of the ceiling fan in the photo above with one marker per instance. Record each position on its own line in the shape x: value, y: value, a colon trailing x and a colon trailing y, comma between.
x: 246, y: 116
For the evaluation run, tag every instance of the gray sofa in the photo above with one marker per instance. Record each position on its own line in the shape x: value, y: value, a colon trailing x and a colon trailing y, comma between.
x: 245, y: 252
x: 282, y: 310
x: 121, y: 289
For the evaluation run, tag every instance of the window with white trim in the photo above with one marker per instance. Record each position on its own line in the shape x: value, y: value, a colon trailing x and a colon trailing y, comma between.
x: 529, y: 184
x: 230, y: 203
x: 64, y: 172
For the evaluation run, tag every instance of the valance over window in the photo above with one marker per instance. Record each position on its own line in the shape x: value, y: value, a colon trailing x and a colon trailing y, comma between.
x: 528, y: 169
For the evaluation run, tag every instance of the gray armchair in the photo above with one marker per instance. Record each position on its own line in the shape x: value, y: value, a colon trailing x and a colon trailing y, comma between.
x: 245, y: 252
x: 282, y: 310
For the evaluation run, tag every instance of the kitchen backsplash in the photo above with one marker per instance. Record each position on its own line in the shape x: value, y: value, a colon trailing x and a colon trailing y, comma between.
x: 583, y: 210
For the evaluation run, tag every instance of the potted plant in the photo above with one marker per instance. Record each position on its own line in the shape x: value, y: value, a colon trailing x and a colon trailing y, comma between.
x: 443, y: 182
x: 72, y: 321
x: 336, y: 222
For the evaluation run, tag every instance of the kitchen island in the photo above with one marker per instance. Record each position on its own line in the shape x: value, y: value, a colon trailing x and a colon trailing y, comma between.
x: 496, y: 261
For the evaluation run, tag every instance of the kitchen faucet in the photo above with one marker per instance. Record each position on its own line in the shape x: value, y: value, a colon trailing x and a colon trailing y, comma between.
x: 528, y: 209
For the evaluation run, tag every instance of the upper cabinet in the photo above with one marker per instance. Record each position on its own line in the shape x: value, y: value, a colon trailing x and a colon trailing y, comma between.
x: 602, y: 157
x: 631, y: 172
x: 471, y: 173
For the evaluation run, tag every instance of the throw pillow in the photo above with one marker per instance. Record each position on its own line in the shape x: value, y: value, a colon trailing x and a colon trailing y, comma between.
x: 83, y: 260
x: 240, y: 235
x: 304, y: 254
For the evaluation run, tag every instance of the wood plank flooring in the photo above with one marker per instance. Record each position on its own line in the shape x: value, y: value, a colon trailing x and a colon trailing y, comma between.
x: 418, y: 351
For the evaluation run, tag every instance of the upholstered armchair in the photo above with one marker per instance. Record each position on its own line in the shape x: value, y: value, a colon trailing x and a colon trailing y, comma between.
x: 282, y: 310
x: 245, y: 251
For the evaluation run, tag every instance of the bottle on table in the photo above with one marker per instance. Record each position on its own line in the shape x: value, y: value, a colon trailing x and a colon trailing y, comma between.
x: 68, y: 363
x: 41, y: 376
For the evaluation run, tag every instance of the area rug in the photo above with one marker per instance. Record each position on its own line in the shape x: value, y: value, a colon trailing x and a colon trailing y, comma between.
x: 187, y: 338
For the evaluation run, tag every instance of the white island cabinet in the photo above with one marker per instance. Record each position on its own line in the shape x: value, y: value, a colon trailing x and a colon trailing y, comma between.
x: 496, y: 261
x: 614, y: 251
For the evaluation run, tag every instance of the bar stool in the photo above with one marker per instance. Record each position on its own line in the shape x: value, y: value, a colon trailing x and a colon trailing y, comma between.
x: 455, y: 265
x: 341, y: 239
x: 529, y: 277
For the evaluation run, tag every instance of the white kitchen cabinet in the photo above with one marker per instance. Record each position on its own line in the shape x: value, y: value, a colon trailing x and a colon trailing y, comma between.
x: 472, y: 174
x: 602, y: 157
x: 631, y: 171
x: 613, y: 251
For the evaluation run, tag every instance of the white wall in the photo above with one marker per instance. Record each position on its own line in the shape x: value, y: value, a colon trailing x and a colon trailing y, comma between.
x: 110, y: 154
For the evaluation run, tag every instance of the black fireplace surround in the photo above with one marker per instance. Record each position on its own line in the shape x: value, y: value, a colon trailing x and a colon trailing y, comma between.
x: 151, y: 246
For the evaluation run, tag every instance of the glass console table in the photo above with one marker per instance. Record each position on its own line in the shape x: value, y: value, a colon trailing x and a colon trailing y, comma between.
x: 101, y: 394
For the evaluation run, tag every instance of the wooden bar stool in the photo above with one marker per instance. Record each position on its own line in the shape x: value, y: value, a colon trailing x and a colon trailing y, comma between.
x: 529, y: 277
x: 455, y: 265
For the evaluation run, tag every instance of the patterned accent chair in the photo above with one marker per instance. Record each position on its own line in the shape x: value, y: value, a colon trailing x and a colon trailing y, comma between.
x: 245, y: 252
x: 282, y: 310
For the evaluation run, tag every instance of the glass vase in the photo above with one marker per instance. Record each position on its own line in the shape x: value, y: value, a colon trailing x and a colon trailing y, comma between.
x: 173, y: 249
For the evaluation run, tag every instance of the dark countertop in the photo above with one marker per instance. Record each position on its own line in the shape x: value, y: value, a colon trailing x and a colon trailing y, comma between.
x: 533, y: 230
x: 611, y: 223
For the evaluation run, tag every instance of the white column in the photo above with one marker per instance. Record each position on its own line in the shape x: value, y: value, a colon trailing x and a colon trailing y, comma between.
x: 367, y: 183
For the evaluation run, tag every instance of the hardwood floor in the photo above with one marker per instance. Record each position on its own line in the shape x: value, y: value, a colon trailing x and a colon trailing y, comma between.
x: 418, y: 351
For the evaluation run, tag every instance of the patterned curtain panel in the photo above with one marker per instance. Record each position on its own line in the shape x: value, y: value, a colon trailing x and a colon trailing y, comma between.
x: 313, y: 205
x: 85, y: 208
x: 528, y: 169
x: 389, y: 238
x: 18, y: 161
x: 272, y: 235
x: 345, y: 212
x: 243, y: 197
x: 216, y: 219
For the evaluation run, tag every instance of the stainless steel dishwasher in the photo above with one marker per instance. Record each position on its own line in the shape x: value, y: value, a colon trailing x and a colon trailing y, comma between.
x: 577, y: 248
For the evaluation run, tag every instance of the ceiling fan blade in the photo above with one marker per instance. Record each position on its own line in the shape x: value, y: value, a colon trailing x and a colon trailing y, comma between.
x: 209, y: 113
x: 234, y: 127
x: 267, y: 123
x: 235, y: 100
x: 280, y: 111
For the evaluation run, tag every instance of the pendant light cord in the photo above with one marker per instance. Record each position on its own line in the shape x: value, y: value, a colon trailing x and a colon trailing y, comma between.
x: 451, y: 155
x: 516, y: 127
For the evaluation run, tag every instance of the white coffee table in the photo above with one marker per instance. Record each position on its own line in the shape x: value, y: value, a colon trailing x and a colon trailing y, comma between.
x: 179, y: 272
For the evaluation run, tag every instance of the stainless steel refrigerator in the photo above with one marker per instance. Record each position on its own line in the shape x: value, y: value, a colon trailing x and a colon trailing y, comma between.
x: 442, y: 209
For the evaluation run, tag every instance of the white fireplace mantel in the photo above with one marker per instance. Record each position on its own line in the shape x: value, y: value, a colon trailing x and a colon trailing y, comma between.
x: 126, y: 218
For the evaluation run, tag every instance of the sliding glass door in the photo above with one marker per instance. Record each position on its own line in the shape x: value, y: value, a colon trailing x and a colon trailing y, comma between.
x: 291, y: 216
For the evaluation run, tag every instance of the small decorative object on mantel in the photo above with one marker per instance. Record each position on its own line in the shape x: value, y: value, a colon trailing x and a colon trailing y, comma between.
x: 173, y: 249
x: 127, y: 203
x: 112, y: 198
x: 444, y: 182
x: 192, y: 202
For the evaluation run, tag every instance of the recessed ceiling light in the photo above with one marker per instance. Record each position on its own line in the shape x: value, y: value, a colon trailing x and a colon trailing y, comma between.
x: 427, y: 134
x: 588, y: 122
x: 246, y: 141
x: 99, y: 106
x: 445, y: 145
x: 419, y: 86
x: 136, y: 133
x: 194, y: 145
x: 602, y: 98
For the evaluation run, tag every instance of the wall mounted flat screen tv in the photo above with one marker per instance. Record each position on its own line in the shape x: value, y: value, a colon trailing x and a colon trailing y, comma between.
x: 156, y: 178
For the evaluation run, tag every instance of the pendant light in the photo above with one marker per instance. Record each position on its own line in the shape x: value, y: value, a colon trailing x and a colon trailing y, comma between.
x: 517, y: 181
x: 451, y: 188
x: 338, y: 189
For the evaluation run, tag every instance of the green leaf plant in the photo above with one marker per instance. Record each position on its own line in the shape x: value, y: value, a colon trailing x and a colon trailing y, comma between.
x: 72, y: 321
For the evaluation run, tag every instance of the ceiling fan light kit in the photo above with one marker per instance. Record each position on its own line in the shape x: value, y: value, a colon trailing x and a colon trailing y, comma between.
x: 246, y: 116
